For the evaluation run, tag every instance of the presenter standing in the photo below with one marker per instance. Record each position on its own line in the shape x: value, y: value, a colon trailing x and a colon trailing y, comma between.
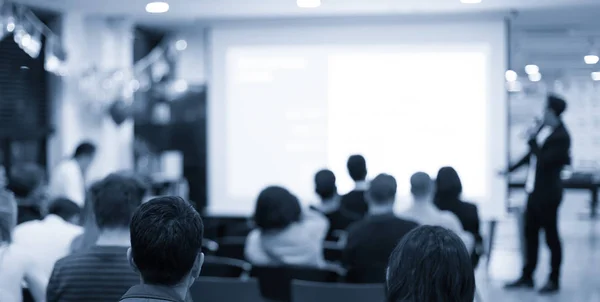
x: 549, y: 152
x: 68, y: 178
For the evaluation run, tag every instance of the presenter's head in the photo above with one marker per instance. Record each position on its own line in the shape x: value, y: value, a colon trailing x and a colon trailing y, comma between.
x: 276, y: 209
x: 421, y: 187
x: 556, y: 106
x: 357, y: 167
x: 381, y: 194
x: 325, y: 185
x: 84, y: 155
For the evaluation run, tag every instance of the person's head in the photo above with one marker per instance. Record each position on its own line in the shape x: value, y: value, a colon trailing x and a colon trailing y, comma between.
x: 65, y: 209
x: 448, y: 184
x: 276, y: 209
x: 555, y: 107
x: 84, y: 154
x: 382, y: 192
x: 325, y: 185
x: 166, y: 240
x: 430, y: 264
x: 421, y: 186
x: 8, y: 215
x: 114, y: 199
x: 357, y: 167
x: 27, y: 180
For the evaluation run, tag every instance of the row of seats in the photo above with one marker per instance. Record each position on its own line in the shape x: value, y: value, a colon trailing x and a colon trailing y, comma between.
x: 223, y: 289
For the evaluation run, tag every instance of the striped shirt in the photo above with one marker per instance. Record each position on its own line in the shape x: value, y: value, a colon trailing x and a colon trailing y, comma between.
x: 101, y: 273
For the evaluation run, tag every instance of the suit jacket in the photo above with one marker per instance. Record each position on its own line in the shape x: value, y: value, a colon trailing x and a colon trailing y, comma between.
x: 552, y: 156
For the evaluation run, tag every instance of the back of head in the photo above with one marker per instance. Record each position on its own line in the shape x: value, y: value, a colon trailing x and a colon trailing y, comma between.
x: 24, y: 179
x: 115, y: 198
x: 357, y: 167
x: 430, y: 264
x: 85, y: 149
x: 276, y: 208
x: 421, y: 185
x: 556, y: 104
x: 382, y: 190
x: 447, y: 183
x: 325, y: 184
x: 166, y: 238
x: 64, y: 208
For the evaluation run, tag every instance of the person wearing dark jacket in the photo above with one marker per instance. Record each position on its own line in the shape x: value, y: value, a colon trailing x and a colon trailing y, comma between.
x: 447, y: 198
x: 166, y: 240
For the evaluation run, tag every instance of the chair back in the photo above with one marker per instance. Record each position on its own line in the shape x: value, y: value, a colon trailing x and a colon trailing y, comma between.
x: 275, y: 282
x: 332, y: 251
x: 307, y: 291
x: 224, y: 267
x: 232, y: 247
x: 223, y: 289
x: 365, y: 275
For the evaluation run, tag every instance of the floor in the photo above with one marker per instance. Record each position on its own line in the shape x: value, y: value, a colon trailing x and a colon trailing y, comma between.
x: 581, y: 261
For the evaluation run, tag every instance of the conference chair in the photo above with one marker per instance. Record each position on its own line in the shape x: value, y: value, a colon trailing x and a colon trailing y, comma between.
x: 332, y: 251
x: 225, y: 267
x: 307, y: 291
x: 232, y: 247
x: 225, y: 290
x: 275, y: 281
x: 365, y: 275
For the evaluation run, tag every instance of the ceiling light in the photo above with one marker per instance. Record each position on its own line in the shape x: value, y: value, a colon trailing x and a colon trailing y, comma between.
x: 308, y: 3
x: 470, y: 1
x: 511, y: 76
x: 596, y: 76
x: 591, y: 59
x: 157, y: 7
x: 532, y: 69
x: 535, y: 77
x: 181, y: 45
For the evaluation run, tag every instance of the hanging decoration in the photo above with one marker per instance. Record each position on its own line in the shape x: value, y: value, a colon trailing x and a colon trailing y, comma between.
x: 28, y: 31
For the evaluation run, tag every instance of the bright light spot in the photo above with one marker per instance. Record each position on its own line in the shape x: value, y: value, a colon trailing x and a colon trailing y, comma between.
x: 591, y: 59
x: 514, y: 86
x: 596, y: 76
x: 10, y: 25
x: 180, y: 86
x: 181, y: 45
x: 511, y: 76
x: 535, y: 77
x: 470, y: 1
x: 157, y: 7
x: 308, y: 3
x: 532, y: 69
x: 25, y: 40
x: 52, y: 63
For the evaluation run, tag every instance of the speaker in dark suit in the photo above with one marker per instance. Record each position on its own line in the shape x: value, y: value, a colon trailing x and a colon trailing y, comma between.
x: 549, y: 153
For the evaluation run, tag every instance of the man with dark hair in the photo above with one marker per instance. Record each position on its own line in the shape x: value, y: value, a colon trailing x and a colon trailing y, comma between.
x: 49, y: 239
x: 166, y: 241
x: 68, y: 178
x: 28, y: 183
x: 372, y: 240
x: 339, y: 218
x: 102, y: 272
x: 549, y: 152
x: 355, y: 201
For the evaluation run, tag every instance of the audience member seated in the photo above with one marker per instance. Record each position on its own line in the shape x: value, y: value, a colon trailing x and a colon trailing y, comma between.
x: 166, y: 241
x: 424, y: 211
x: 28, y: 183
x: 285, y: 234
x: 16, y: 265
x: 355, y: 201
x: 447, y: 198
x: 102, y: 272
x: 430, y: 264
x: 372, y: 240
x: 49, y: 240
x: 90, y: 228
x: 339, y: 218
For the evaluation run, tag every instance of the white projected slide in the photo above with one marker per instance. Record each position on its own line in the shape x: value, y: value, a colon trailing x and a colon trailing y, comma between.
x: 289, y: 111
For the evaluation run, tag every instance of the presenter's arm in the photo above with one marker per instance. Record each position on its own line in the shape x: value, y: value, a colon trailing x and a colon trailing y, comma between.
x: 523, y: 161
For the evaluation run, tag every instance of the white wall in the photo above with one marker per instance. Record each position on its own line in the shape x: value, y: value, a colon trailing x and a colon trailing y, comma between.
x: 89, y: 41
